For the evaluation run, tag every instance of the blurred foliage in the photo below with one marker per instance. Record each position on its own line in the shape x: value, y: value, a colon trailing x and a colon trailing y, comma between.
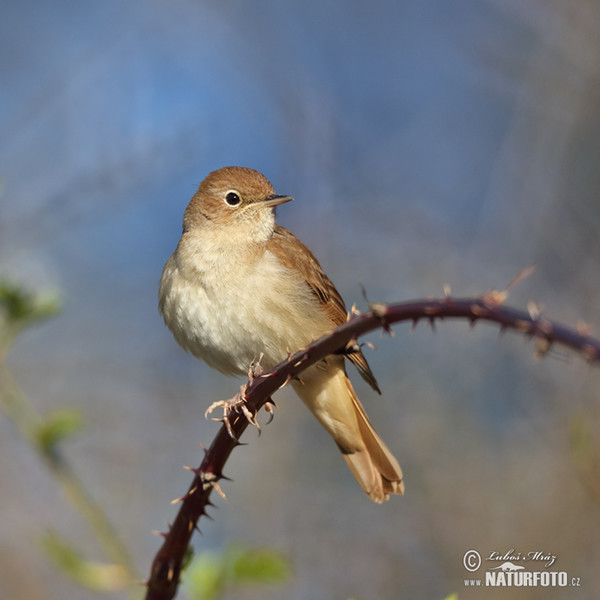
x: 90, y: 574
x: 210, y: 574
x: 56, y: 427
x: 20, y: 308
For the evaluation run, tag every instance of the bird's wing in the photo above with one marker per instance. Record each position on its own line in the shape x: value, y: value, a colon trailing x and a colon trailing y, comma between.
x: 294, y: 255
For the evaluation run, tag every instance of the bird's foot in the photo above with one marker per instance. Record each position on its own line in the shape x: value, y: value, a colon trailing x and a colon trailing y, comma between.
x: 255, y: 370
x: 236, y: 405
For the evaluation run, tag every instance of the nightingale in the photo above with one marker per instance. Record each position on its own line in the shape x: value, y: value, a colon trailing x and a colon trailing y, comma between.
x: 238, y: 286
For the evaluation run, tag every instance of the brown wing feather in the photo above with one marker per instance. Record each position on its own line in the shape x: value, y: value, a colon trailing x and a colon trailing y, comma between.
x: 294, y: 255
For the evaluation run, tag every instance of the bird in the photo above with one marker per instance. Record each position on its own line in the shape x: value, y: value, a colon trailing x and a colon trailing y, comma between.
x: 239, y: 286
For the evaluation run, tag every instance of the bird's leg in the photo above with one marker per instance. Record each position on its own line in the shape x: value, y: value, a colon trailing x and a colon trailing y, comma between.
x: 238, y: 402
x: 255, y: 369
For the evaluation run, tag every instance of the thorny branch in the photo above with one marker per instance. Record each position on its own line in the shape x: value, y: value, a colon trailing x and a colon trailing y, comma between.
x: 167, y: 564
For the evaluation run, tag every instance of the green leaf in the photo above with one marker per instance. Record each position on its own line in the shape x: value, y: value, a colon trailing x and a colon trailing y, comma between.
x: 19, y: 309
x: 59, y: 425
x: 93, y: 575
x: 257, y: 566
x: 210, y: 573
x: 205, y: 578
x: 20, y: 306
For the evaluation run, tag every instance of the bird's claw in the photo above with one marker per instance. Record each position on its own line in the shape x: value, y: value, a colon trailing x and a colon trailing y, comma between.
x: 270, y: 407
x: 236, y: 404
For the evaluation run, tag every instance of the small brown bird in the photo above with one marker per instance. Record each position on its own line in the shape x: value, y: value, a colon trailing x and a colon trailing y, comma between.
x: 238, y: 286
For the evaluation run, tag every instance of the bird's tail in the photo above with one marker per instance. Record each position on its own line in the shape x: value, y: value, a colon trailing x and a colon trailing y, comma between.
x: 329, y: 394
x: 375, y: 468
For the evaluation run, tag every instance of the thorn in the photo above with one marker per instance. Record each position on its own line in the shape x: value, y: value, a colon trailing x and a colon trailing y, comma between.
x: 217, y: 487
x: 541, y: 349
x: 534, y: 310
x: 287, y: 380
x: 385, y: 326
x: 162, y: 534
x: 354, y: 311
x: 478, y: 311
x: 583, y: 329
x: 432, y: 324
x: 369, y: 345
x: 264, y: 376
x: 302, y: 359
x: 379, y: 309
x: 523, y: 274
x: 545, y: 327
x: 178, y: 500
x: 364, y: 293
x: 447, y: 291
x: 523, y: 326
x: 494, y: 298
x: 413, y: 327
x: 192, y: 469
x: 590, y: 352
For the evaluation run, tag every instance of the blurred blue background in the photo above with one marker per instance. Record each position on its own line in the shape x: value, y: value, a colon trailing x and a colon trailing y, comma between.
x: 426, y: 144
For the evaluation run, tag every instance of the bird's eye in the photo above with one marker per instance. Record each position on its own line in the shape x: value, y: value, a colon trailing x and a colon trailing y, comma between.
x: 232, y: 199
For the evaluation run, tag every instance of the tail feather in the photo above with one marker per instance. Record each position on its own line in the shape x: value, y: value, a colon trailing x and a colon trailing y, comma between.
x: 328, y: 393
x: 375, y: 468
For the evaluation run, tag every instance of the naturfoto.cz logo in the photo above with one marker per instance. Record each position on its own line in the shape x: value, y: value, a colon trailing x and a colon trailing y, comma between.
x: 503, y: 570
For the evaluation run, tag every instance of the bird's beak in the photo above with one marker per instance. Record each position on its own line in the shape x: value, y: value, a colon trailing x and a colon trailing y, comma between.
x: 275, y: 200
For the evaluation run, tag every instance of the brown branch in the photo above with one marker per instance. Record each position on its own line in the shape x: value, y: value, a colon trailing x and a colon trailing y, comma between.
x: 167, y: 564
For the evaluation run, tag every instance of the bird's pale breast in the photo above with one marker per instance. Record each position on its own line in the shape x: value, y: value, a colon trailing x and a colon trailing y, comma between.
x: 235, y: 310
